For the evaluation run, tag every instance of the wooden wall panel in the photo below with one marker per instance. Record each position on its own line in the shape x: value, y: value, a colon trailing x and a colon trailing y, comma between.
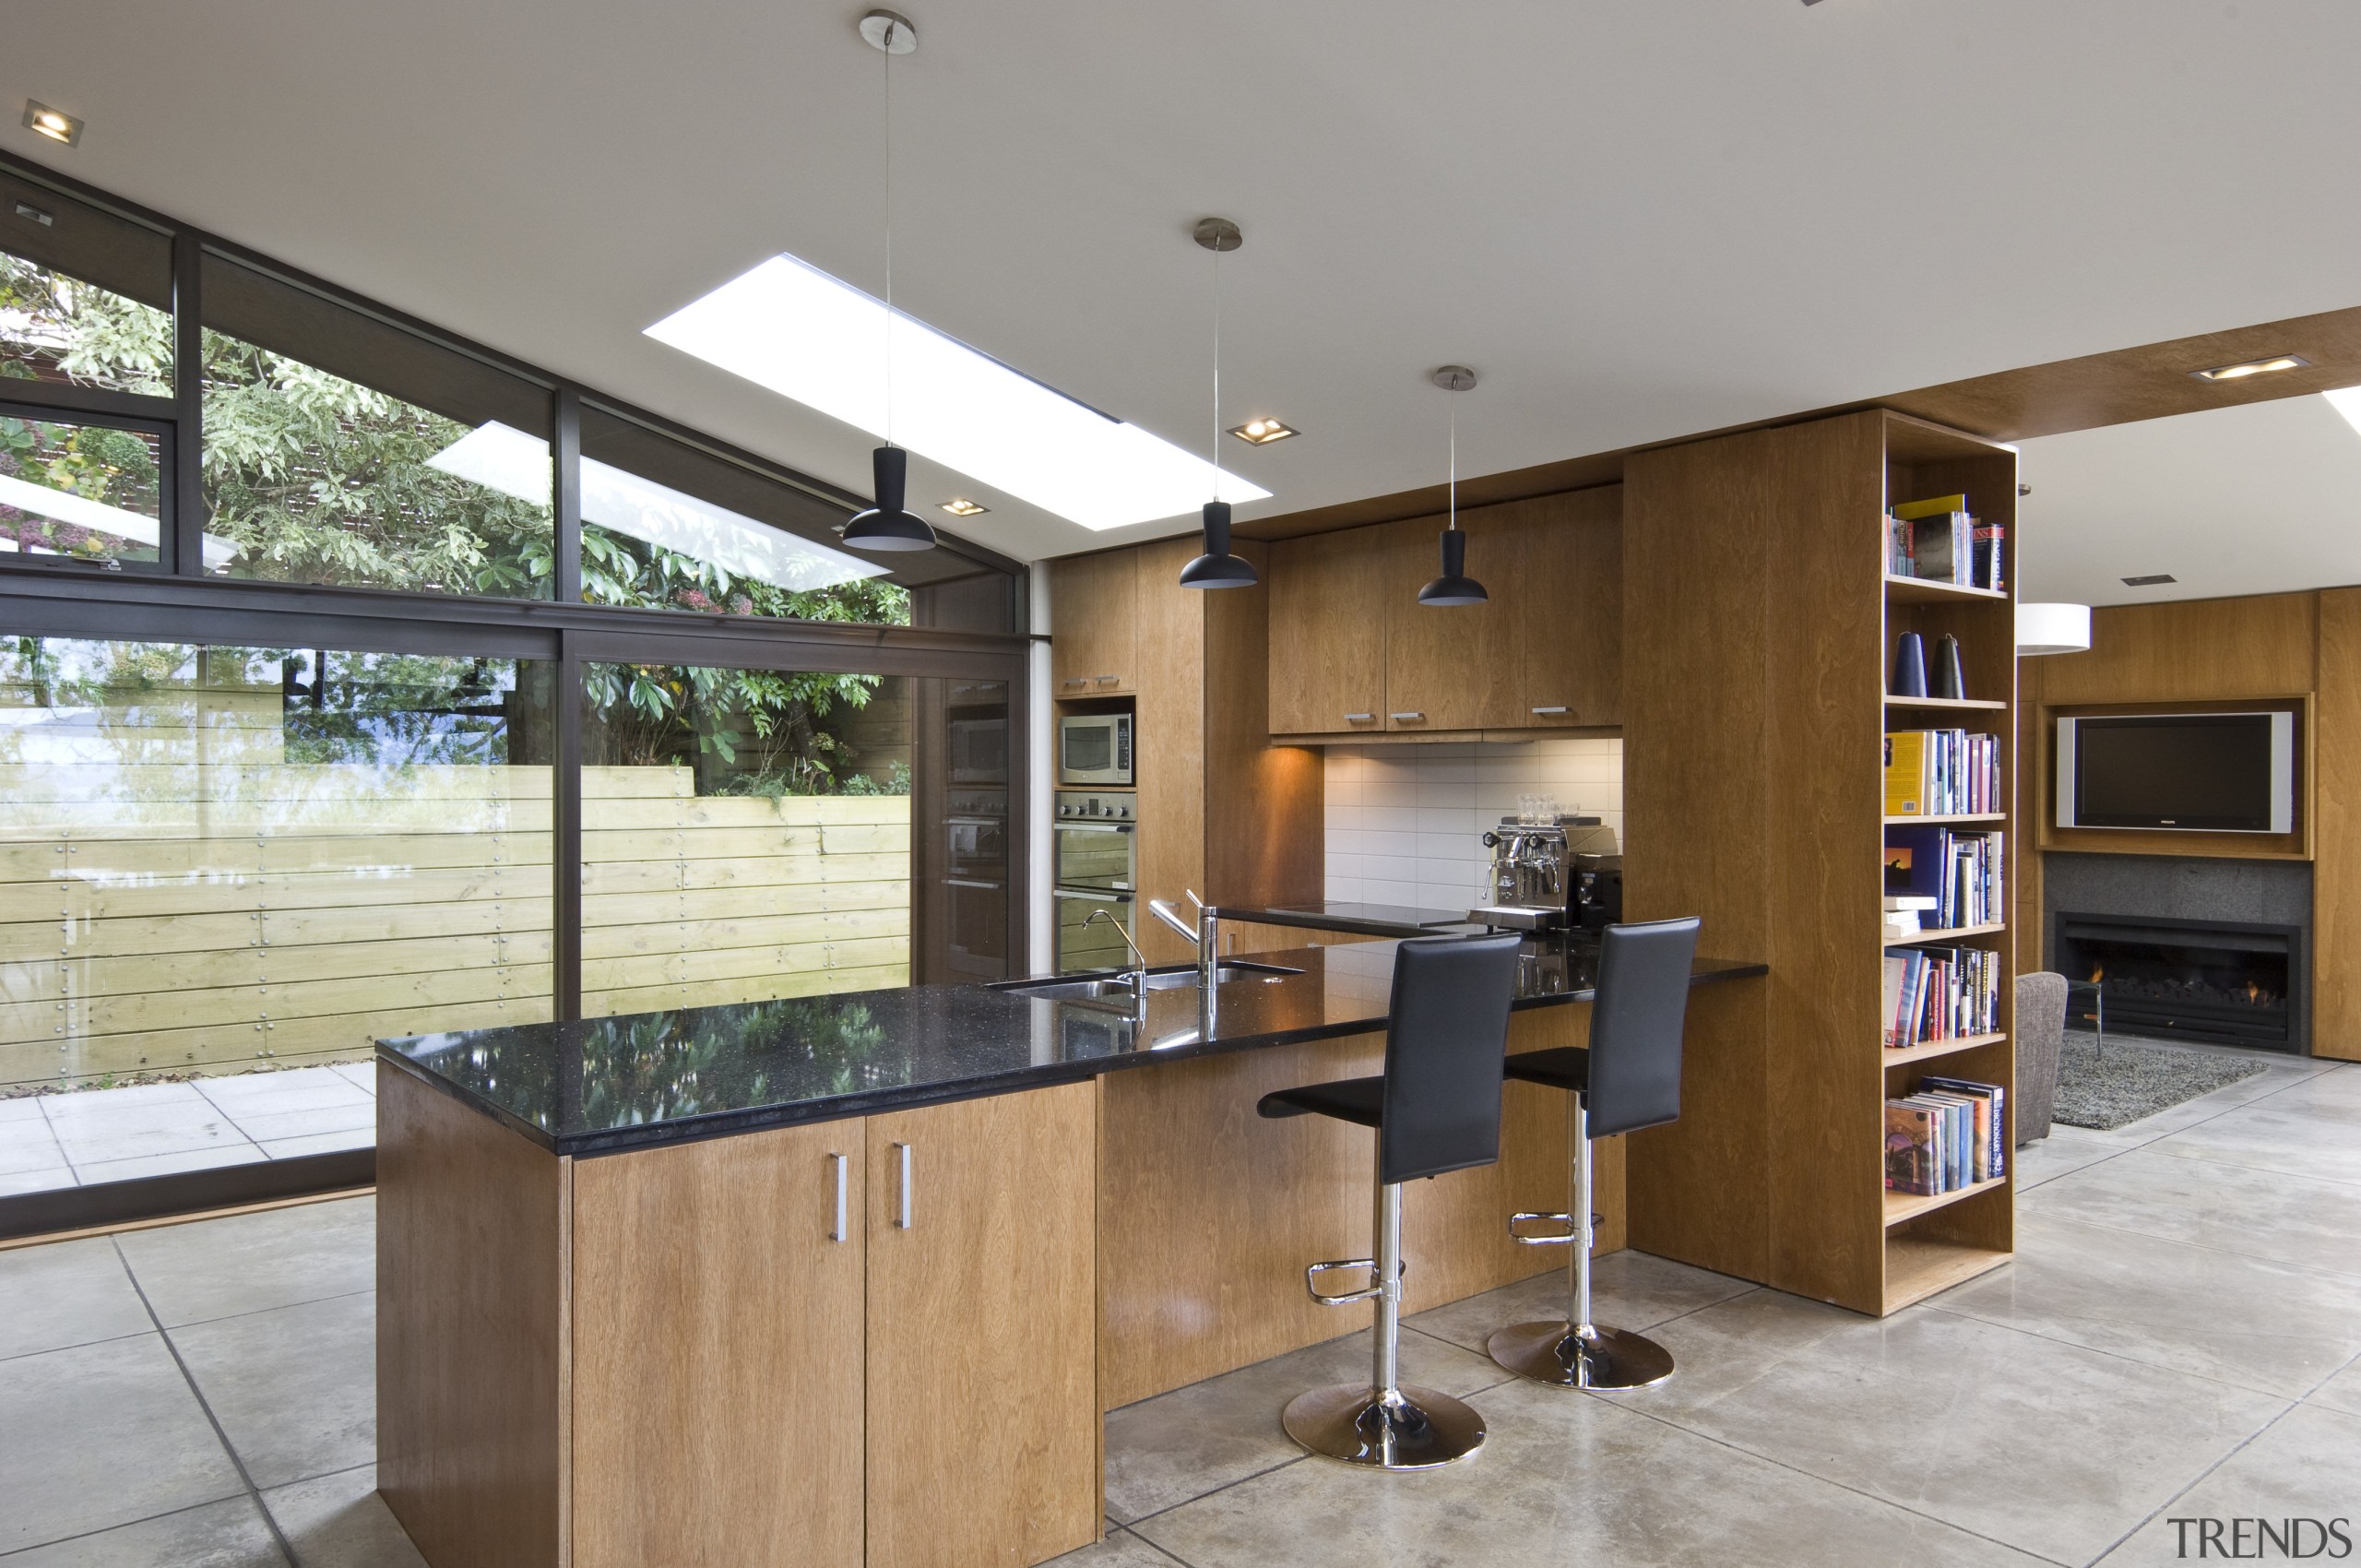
x: 1209, y: 1213
x: 1697, y: 827
x: 2230, y: 649
x: 1170, y: 740
x: 717, y: 1320
x: 1264, y: 829
x: 1825, y: 484
x: 2337, y: 828
x: 472, y: 1330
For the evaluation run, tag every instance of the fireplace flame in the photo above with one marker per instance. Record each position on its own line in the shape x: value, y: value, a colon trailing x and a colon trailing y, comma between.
x: 2098, y: 973
x: 2254, y: 992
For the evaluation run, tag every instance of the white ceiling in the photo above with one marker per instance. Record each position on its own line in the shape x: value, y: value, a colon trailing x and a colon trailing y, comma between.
x: 2260, y: 499
x: 1639, y: 219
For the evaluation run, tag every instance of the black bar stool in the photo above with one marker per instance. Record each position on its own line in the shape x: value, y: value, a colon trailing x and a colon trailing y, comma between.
x: 1436, y: 1109
x: 1629, y: 1078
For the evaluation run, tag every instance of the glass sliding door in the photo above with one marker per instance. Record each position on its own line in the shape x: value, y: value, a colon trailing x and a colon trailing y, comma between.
x: 750, y: 835
x: 226, y: 871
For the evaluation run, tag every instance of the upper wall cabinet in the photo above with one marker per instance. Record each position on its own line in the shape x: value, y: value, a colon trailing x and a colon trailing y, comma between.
x: 1097, y: 601
x: 1353, y: 651
x: 1328, y: 633
x: 1455, y: 668
x: 1572, y: 585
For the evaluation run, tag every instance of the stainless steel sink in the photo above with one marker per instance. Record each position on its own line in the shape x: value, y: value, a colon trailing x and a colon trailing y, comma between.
x: 1118, y: 987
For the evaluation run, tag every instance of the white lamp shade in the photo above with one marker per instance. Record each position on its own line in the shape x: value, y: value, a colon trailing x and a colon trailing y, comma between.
x: 2053, y: 628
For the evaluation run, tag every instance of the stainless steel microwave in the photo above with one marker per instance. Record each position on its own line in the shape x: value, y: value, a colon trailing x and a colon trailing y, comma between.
x: 1094, y: 749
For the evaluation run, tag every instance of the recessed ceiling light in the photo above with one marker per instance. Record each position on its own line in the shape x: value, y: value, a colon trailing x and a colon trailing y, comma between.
x: 963, y: 507
x: 792, y: 327
x: 1262, y: 432
x: 55, y: 124
x: 2250, y: 367
x: 2154, y: 580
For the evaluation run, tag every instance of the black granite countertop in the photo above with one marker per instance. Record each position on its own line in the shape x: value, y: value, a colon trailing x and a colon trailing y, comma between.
x: 1359, y: 920
x: 608, y: 1084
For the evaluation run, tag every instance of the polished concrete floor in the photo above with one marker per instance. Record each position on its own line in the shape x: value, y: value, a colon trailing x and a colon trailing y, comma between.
x: 2178, y: 1338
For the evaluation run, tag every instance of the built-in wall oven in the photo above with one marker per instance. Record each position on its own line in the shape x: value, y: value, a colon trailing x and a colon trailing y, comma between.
x: 1096, y: 749
x: 1096, y: 855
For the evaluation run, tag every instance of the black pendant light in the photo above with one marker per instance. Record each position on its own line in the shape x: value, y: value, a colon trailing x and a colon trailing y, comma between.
x: 1217, y: 568
x: 889, y: 524
x: 1454, y: 587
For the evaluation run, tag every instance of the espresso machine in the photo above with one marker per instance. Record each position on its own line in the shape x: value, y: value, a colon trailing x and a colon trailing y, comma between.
x: 1549, y: 875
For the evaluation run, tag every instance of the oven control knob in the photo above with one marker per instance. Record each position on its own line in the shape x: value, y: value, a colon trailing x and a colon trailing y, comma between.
x: 1122, y: 811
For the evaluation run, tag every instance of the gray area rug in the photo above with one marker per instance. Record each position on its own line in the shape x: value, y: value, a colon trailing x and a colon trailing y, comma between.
x: 2131, y: 1080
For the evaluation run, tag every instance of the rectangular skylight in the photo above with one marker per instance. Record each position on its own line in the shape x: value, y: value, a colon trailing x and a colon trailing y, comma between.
x: 2346, y: 400
x: 792, y: 327
x: 514, y: 463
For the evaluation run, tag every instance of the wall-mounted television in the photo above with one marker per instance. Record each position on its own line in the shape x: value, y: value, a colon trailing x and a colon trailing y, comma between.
x: 2178, y: 772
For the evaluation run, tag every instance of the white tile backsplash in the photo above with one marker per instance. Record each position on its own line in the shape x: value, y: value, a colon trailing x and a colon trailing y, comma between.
x: 1406, y: 822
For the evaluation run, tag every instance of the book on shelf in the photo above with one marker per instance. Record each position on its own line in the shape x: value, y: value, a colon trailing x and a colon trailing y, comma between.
x: 1991, y: 1122
x: 1933, y: 994
x: 1936, y: 540
x: 1901, y: 925
x: 1898, y: 902
x: 1961, y: 871
x: 1942, y: 772
x: 1949, y: 1134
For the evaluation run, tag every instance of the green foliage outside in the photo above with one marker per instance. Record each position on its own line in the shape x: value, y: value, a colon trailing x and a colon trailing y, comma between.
x: 311, y: 477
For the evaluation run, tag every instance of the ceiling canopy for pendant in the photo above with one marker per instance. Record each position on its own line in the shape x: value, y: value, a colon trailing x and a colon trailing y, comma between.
x: 1454, y: 587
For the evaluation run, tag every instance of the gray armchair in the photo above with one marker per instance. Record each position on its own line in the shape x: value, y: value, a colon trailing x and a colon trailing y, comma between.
x: 2040, y: 1036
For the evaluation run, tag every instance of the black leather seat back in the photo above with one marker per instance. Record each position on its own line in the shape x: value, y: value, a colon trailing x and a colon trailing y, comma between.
x: 1636, y: 1024
x: 1445, y: 1042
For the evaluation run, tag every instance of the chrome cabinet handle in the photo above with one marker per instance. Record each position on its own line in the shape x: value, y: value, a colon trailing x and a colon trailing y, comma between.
x: 1076, y: 681
x: 1561, y: 709
x: 1404, y: 715
x: 1109, y: 680
x: 1360, y: 717
x: 842, y: 1232
x: 902, y: 1220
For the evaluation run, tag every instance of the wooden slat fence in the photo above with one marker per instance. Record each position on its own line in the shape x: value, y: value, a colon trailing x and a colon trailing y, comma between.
x: 175, y: 896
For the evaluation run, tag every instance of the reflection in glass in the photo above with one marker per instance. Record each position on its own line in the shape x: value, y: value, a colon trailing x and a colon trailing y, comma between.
x: 57, y: 329
x: 669, y: 527
x: 218, y: 861
x: 82, y: 492
x: 750, y: 835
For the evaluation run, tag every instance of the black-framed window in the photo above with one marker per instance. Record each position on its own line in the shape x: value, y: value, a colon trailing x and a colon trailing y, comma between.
x: 255, y: 657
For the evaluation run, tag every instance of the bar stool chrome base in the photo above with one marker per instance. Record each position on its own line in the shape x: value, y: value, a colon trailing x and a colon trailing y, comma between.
x: 1563, y: 1356
x: 1411, y: 1429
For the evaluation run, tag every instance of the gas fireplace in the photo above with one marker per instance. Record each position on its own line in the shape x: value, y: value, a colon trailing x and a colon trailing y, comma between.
x: 2235, y: 984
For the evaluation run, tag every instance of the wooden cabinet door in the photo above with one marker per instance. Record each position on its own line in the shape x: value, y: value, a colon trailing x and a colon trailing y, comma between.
x: 1095, y: 610
x: 1455, y: 668
x: 1328, y: 633
x: 1573, y: 608
x: 983, y: 1310
x: 718, y: 1352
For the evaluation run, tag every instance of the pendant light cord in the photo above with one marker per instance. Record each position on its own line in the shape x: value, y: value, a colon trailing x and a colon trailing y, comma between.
x: 1216, y: 445
x: 888, y: 51
x: 1454, y: 462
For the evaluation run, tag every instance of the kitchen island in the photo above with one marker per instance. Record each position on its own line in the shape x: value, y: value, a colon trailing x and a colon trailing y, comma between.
x: 862, y: 1272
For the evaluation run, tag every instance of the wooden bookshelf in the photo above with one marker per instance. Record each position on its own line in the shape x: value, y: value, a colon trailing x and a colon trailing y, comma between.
x: 1923, y: 591
x: 1760, y: 559
x: 1904, y: 1206
x: 1957, y: 705
x: 1928, y: 1050
x: 1950, y: 933
x: 1919, y: 1267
